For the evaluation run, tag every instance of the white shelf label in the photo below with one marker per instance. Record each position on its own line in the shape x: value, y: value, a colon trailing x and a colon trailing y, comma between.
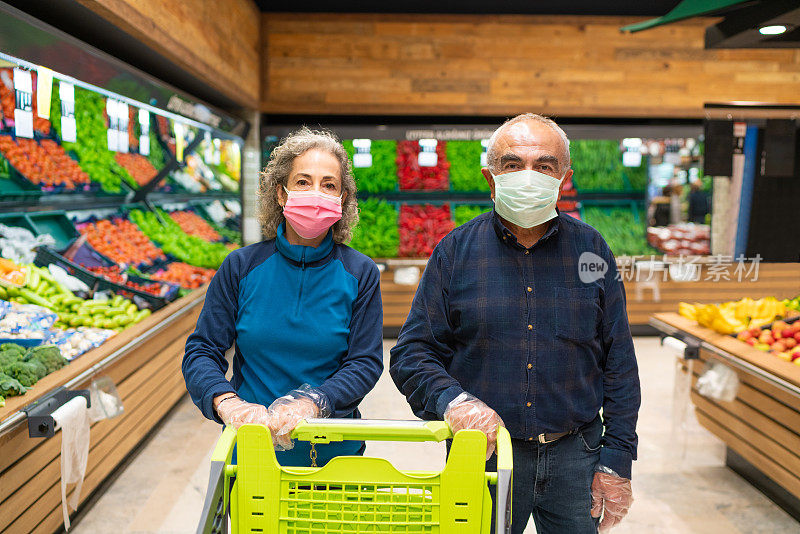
x: 23, y: 110
x: 362, y: 156
x: 113, y: 128
x: 44, y: 91
x: 124, y: 119
x: 427, y: 155
x: 69, y: 128
x: 144, y: 132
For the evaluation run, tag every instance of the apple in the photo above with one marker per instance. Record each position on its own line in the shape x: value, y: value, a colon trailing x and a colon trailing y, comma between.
x: 755, y: 332
x: 788, y: 332
x: 761, y: 346
x: 797, y: 337
x: 779, y: 346
x: 778, y: 326
x: 790, y: 342
x: 766, y: 339
x: 796, y: 361
x: 751, y: 341
x: 744, y: 335
x: 783, y: 356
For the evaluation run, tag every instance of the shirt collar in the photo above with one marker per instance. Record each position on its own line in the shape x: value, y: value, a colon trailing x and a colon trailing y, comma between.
x: 301, y: 254
x: 508, y: 237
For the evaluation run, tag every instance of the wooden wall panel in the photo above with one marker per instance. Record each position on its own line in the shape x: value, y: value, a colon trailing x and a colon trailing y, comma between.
x: 216, y: 41
x: 504, y: 65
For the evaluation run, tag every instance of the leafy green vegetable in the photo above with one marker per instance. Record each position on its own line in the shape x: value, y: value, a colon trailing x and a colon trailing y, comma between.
x: 382, y: 175
x: 92, y: 146
x: 172, y: 240
x: 49, y: 355
x: 376, y: 234
x: 465, y: 213
x: 27, y: 373
x: 10, y: 387
x: 465, y: 166
x: 157, y: 158
x: 597, y: 166
x: 621, y: 228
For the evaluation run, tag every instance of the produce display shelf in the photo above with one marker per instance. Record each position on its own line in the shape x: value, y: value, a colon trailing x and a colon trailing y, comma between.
x: 56, y: 224
x: 761, y: 426
x: 144, y: 363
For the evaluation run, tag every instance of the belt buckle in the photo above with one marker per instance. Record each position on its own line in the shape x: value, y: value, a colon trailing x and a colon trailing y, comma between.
x: 541, y: 439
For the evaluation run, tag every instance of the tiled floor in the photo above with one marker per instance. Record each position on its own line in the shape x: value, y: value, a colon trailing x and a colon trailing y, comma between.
x: 162, y: 490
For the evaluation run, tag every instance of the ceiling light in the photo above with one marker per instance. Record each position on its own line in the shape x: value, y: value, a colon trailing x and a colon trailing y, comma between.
x: 775, y: 29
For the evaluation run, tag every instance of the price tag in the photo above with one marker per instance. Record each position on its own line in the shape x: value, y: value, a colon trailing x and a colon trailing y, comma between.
x: 144, y: 130
x: 180, y: 139
x: 217, y: 152
x: 484, y: 153
x: 23, y: 110
x: 362, y: 157
x: 124, y: 118
x: 427, y: 155
x: 44, y: 92
x: 69, y: 129
x: 208, y: 148
x: 113, y: 121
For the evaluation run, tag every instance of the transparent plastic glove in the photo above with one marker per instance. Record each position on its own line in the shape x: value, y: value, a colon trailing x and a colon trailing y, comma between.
x: 235, y: 412
x: 469, y: 412
x: 611, y: 497
x: 304, y: 402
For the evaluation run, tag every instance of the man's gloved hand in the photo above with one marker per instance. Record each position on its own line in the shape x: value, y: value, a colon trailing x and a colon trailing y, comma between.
x: 468, y: 412
x: 304, y: 402
x: 611, y: 497
x: 235, y: 412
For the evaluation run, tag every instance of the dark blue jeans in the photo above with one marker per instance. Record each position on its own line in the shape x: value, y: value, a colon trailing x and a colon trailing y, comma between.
x: 553, y: 482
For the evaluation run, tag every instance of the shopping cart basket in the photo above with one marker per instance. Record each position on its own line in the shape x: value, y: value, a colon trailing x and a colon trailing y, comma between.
x: 355, y: 494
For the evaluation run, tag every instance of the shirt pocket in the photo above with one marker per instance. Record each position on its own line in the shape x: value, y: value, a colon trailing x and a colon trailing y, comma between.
x: 577, y: 311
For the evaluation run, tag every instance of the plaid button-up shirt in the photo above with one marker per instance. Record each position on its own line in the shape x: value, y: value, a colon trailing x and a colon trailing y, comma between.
x: 543, y: 343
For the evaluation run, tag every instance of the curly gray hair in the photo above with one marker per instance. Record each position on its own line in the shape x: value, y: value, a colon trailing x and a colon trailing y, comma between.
x: 276, y: 173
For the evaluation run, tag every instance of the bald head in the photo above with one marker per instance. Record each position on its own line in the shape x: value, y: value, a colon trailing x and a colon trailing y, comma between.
x: 529, y: 136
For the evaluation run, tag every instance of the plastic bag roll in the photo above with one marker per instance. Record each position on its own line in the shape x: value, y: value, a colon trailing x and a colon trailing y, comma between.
x: 675, y: 345
x: 73, y: 420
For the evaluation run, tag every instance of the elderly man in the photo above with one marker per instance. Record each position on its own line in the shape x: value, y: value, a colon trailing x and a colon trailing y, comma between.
x: 519, y: 320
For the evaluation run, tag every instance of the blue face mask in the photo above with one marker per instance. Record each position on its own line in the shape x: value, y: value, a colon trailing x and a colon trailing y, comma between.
x: 526, y: 198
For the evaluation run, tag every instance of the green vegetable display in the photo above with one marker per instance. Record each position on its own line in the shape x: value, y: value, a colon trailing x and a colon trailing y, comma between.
x: 620, y: 228
x: 27, y: 373
x: 376, y: 234
x: 465, y: 166
x: 466, y: 213
x: 47, y: 355
x: 10, y: 387
x: 94, y: 156
x: 382, y: 175
x: 157, y: 158
x: 597, y: 166
x: 172, y: 240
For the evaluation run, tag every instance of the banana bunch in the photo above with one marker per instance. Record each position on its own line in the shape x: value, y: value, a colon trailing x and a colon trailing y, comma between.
x: 732, y: 317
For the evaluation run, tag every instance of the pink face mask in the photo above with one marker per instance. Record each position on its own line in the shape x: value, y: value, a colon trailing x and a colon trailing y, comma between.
x: 311, y: 212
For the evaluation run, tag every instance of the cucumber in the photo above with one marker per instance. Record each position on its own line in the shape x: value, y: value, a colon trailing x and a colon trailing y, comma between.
x: 141, y: 315
x: 77, y: 320
x: 33, y: 279
x: 117, y: 301
x: 3, y: 293
x: 132, y: 309
x: 13, y: 291
x: 33, y: 298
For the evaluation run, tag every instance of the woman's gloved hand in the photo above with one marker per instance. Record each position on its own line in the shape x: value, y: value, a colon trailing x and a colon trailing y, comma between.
x: 612, y: 497
x: 304, y: 402
x: 235, y: 412
x: 468, y: 412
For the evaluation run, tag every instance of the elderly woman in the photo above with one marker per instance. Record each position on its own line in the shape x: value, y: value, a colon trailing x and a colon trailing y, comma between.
x: 302, y: 309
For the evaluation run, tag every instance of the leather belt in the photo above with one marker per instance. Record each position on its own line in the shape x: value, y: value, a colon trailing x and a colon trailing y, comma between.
x: 549, y: 437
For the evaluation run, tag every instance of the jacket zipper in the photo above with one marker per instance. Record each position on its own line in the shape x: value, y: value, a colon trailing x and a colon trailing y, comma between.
x: 302, y: 281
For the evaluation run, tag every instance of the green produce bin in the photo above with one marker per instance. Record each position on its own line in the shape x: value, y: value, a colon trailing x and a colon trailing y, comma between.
x: 356, y: 494
x: 55, y: 223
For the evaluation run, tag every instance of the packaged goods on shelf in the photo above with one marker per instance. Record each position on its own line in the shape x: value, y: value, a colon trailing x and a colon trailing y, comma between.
x: 381, y: 176
x: 376, y: 234
x: 684, y: 238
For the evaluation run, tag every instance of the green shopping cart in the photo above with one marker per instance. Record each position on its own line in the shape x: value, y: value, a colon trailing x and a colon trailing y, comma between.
x: 356, y: 494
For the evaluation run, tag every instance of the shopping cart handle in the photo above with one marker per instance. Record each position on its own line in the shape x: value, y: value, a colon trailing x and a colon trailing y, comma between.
x: 327, y: 430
